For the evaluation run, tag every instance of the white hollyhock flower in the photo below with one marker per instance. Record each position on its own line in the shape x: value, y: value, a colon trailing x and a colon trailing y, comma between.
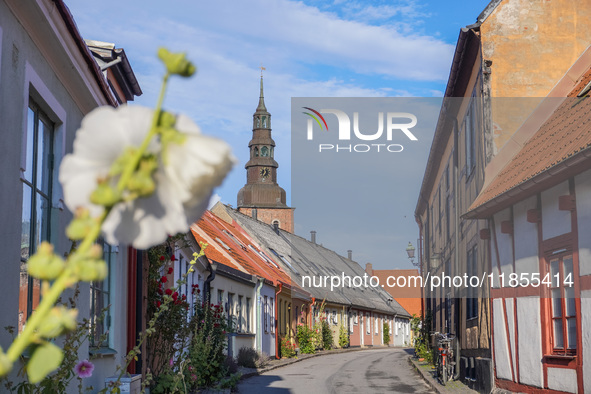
x: 184, y: 182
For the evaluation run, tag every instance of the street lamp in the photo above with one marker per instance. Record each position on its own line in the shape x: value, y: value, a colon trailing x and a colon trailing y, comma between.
x: 410, y: 250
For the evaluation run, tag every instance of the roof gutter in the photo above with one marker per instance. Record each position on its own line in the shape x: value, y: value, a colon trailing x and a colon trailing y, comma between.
x: 541, y: 181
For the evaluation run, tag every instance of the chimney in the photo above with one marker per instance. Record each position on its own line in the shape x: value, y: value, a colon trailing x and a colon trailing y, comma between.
x: 276, y: 226
x: 369, y: 269
x: 313, y: 236
x: 254, y: 213
x: 350, y: 254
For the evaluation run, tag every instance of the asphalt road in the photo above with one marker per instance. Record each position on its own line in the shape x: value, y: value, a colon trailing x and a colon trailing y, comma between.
x: 366, y: 371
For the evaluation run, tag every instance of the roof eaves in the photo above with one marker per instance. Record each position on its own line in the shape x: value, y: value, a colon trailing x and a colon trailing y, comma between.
x: 488, y: 10
x: 90, y: 61
x: 455, y: 86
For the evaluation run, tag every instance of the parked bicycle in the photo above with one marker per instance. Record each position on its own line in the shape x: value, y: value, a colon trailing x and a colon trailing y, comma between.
x: 446, y: 364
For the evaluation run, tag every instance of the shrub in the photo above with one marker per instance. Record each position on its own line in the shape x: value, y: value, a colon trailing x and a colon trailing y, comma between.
x: 306, y: 339
x: 420, y: 329
x: 206, y: 350
x: 326, y: 336
x: 386, y: 331
x: 287, y: 348
x: 247, y: 357
x: 230, y: 365
x: 343, y: 337
x: 263, y: 360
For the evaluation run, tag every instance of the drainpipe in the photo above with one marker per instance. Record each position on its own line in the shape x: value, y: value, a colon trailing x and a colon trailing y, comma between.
x: 349, y: 324
x: 311, y: 315
x: 259, y: 336
x: 206, y: 285
x: 276, y: 319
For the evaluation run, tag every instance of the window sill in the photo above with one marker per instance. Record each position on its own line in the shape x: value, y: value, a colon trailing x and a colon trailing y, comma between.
x: 560, y: 356
x: 102, y: 352
x: 244, y: 334
x: 566, y: 360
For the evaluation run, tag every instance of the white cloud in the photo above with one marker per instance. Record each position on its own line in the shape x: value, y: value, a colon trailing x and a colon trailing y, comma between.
x: 307, y: 52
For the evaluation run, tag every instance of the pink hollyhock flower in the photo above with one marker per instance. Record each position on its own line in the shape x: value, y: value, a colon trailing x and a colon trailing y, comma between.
x: 164, y: 279
x: 84, y: 369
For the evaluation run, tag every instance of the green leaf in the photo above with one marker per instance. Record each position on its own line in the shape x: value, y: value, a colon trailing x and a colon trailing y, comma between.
x: 45, y: 359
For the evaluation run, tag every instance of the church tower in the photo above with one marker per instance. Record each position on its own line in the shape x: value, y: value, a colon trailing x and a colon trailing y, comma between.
x: 261, y: 197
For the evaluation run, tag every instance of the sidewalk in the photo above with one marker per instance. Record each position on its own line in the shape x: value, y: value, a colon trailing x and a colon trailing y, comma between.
x: 428, y: 374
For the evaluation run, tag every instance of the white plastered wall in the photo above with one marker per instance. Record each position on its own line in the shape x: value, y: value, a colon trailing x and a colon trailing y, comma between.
x: 526, y: 238
x: 501, y: 346
x: 530, y: 341
x: 554, y: 221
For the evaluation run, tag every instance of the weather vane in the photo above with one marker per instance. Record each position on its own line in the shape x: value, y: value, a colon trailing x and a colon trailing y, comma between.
x: 262, y: 69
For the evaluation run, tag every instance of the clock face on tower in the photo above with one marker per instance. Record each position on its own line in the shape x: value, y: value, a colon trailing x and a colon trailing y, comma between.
x: 265, y: 172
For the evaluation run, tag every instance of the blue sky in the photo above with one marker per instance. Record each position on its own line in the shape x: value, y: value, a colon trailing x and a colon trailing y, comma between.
x: 312, y: 48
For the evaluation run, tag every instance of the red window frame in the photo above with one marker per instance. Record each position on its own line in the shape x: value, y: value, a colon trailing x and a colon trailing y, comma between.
x: 562, y: 297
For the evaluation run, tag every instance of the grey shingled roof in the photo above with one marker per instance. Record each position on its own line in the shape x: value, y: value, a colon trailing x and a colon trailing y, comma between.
x: 300, y: 257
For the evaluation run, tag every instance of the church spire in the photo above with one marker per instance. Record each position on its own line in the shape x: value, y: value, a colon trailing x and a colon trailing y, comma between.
x: 261, y: 195
x: 261, y: 107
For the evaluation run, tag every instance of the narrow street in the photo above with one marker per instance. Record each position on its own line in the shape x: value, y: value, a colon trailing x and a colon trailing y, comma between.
x: 371, y: 371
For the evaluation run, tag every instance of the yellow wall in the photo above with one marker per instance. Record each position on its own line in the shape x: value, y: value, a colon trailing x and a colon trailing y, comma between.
x: 532, y: 44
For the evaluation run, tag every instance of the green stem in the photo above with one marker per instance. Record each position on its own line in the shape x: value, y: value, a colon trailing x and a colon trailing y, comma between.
x: 67, y: 276
x: 129, y: 170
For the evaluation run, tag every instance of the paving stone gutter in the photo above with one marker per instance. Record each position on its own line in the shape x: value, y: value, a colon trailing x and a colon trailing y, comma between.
x: 428, y: 374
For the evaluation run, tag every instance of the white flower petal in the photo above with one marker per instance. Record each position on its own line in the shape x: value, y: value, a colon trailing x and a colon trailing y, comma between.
x: 183, y: 184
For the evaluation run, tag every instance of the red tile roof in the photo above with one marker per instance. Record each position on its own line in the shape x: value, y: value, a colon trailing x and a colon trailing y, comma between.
x: 229, y: 244
x: 564, y: 136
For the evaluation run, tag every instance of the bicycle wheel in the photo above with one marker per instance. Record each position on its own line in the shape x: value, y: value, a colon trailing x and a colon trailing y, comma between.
x: 444, y: 372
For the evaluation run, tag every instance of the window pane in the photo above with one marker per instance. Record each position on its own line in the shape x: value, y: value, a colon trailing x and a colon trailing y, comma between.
x: 568, y: 266
x: 26, y: 222
x: 570, y: 301
x: 556, y: 303
x: 558, y: 335
x: 43, y: 158
x: 571, y: 327
x: 554, y: 269
x: 42, y: 220
x: 23, y: 296
x: 30, y: 144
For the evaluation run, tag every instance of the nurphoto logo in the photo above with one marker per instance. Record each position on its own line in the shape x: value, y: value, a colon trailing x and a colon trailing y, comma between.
x: 397, y: 124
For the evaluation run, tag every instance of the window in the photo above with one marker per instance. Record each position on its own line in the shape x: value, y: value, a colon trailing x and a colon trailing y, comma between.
x: 367, y: 324
x: 239, y: 313
x: 335, y: 319
x: 266, y: 314
x: 230, y: 310
x: 563, y: 309
x: 472, y: 270
x: 272, y: 317
x: 36, y: 181
x: 248, y: 314
x: 221, y: 297
x: 100, y: 301
x: 376, y: 322
x: 471, y: 127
